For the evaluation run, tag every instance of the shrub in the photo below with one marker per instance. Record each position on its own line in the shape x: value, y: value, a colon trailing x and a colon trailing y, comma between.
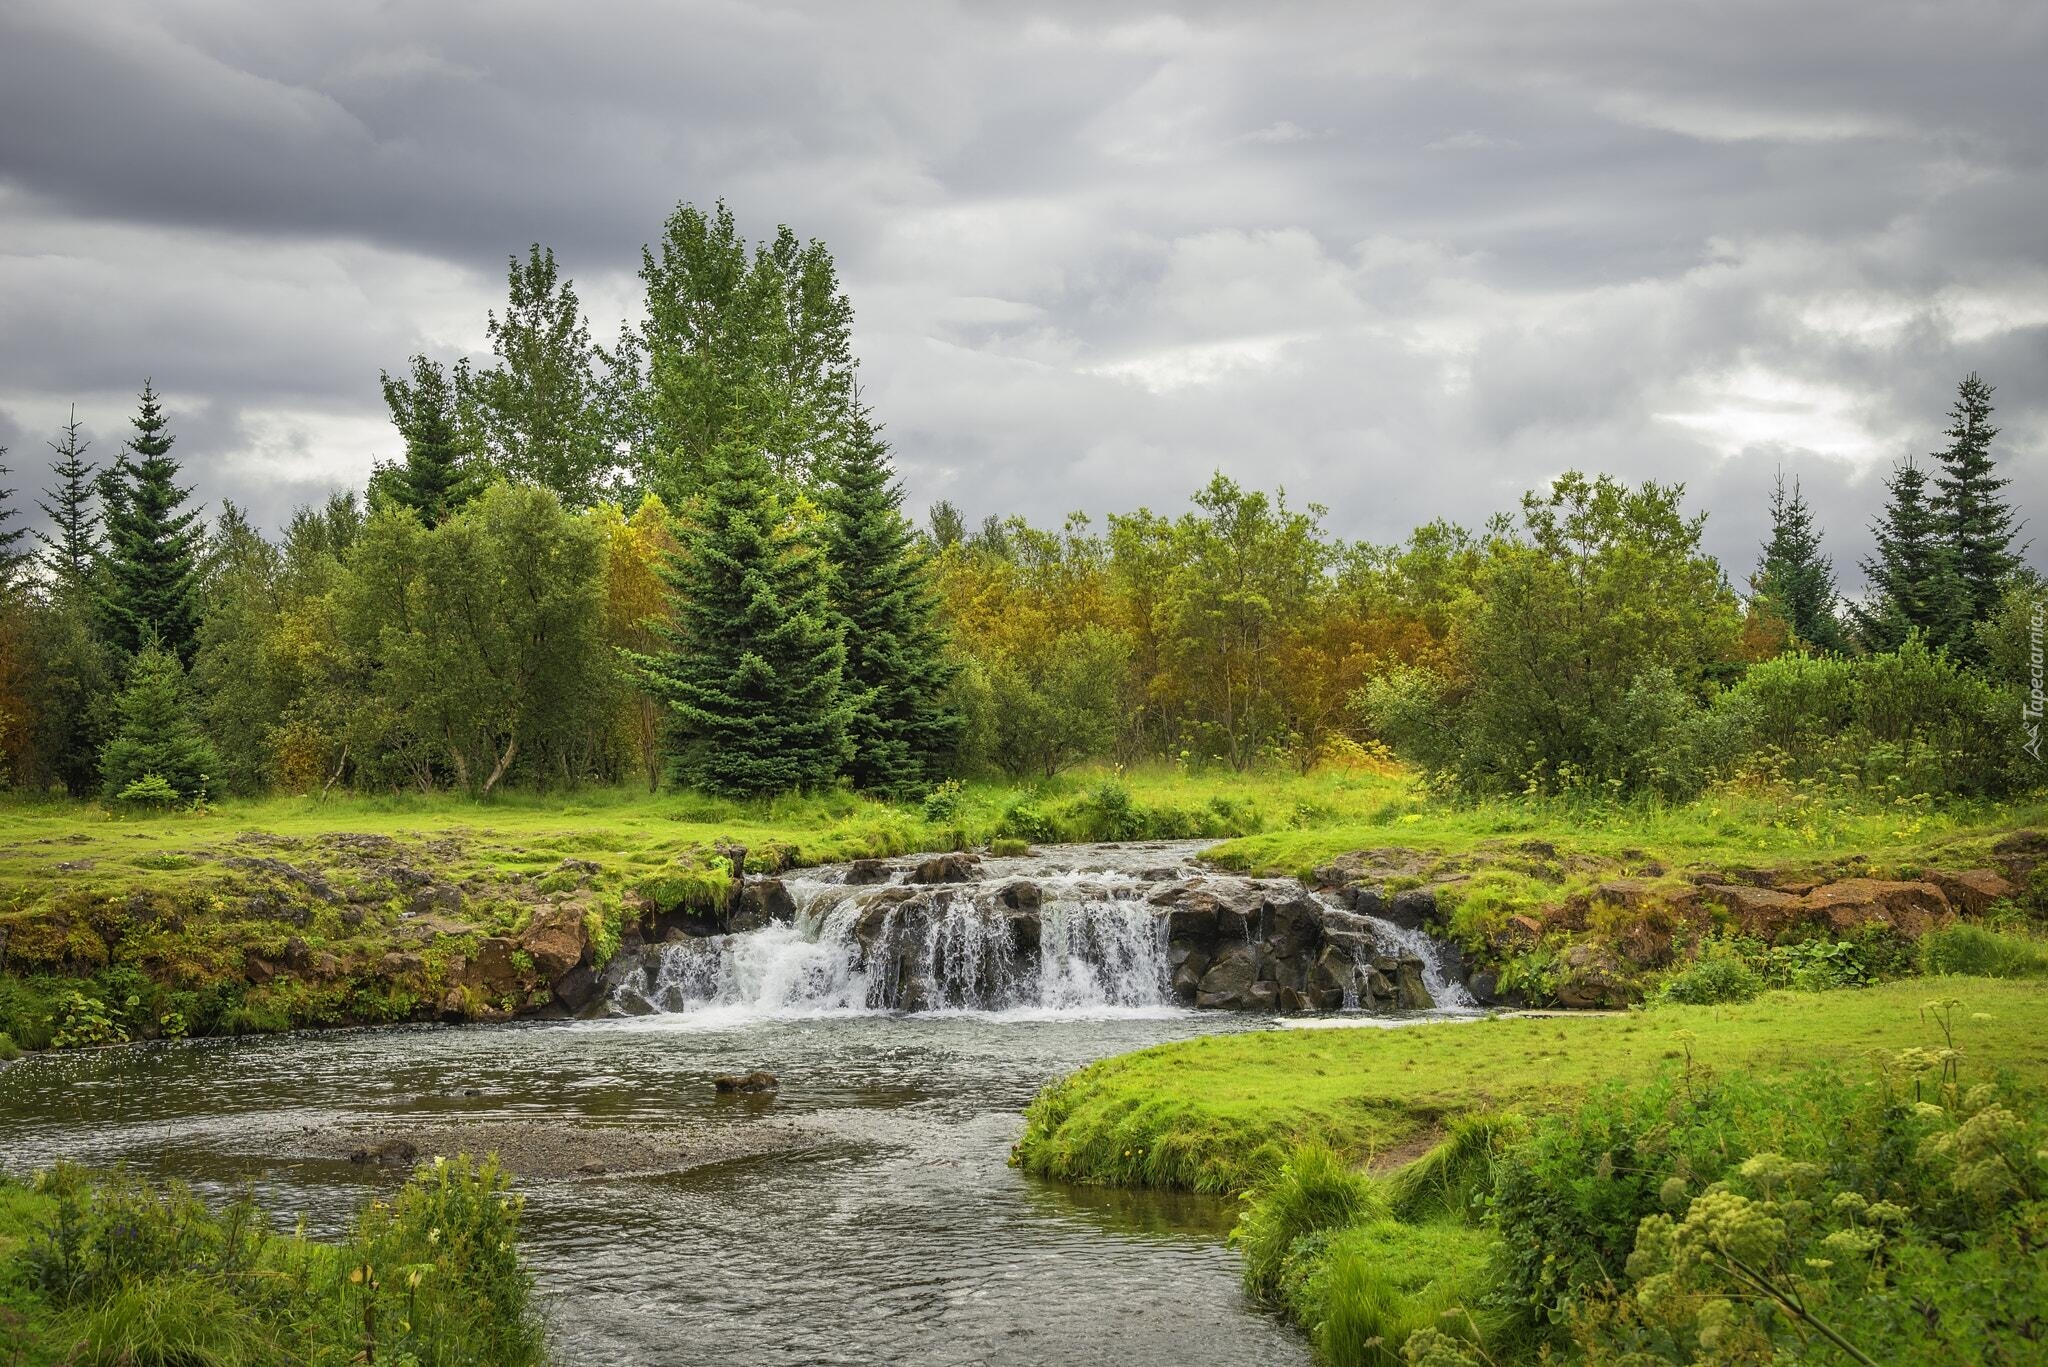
x: 1108, y: 813
x: 9, y: 1050
x: 151, y: 791
x: 942, y: 804
x: 1979, y: 953
x: 1021, y: 820
x: 1003, y: 847
x: 1313, y: 1190
x: 1713, y: 979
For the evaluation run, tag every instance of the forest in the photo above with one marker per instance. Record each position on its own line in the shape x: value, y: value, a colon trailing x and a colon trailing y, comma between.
x: 683, y: 560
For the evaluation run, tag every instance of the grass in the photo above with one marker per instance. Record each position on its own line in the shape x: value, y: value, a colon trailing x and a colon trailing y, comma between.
x: 1216, y: 1114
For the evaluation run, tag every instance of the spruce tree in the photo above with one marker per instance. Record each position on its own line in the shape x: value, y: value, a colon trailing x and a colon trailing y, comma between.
x: 896, y: 676
x: 750, y: 675
x: 1973, y: 517
x: 150, y: 585
x: 72, y: 544
x: 156, y: 734
x: 1796, y: 578
x: 435, y: 479
x: 1913, y: 581
x: 11, y: 560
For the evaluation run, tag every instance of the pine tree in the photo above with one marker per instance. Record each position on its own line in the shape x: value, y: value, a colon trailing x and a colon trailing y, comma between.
x: 1972, y: 516
x: 751, y: 671
x: 1913, y: 581
x: 435, y: 479
x: 896, y: 672
x: 149, y: 590
x: 156, y: 735
x: 11, y: 560
x: 1794, y: 576
x: 72, y: 544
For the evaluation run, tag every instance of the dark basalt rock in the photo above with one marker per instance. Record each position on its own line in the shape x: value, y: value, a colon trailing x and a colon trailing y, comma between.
x: 862, y: 872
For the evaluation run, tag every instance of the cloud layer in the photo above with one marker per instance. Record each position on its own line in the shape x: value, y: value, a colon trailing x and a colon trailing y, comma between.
x: 1407, y: 260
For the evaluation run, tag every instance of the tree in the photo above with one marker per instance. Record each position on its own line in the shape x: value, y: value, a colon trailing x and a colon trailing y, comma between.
x: 435, y: 478
x: 11, y: 560
x: 538, y: 407
x: 1914, y: 586
x: 750, y: 672
x: 72, y: 544
x: 1969, y: 512
x: 151, y: 581
x: 1796, y: 579
x: 896, y: 675
x: 948, y: 527
x: 156, y: 735
x: 636, y: 604
x: 236, y: 697
x: 485, y: 631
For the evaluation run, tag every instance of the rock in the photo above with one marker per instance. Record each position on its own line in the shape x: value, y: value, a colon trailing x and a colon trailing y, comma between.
x: 1974, y: 890
x: 435, y: 898
x: 1912, y: 909
x: 1025, y: 932
x: 555, y: 939
x: 756, y: 1081
x: 864, y: 871
x: 1294, y: 1001
x: 324, y: 967
x: 1021, y: 894
x: 591, y: 1169
x: 1366, y: 901
x: 398, y: 964
x: 1590, y: 980
x: 1484, y: 987
x: 493, y: 969
x: 1763, y: 912
x: 577, y: 988
x: 1408, y: 984
x: 1292, y: 926
x: 1262, y: 996
x: 2020, y: 853
x: 392, y: 1153
x: 1412, y: 909
x: 759, y: 903
x: 947, y: 868
x: 1334, y: 971
x: 1228, y: 979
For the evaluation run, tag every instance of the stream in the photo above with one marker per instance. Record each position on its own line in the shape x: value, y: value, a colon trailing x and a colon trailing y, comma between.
x: 880, y: 1223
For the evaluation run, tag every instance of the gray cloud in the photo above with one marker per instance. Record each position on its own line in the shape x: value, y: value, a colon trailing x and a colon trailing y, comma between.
x: 1406, y: 259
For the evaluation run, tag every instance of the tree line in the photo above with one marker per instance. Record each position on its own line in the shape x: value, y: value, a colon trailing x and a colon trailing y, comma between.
x: 683, y: 559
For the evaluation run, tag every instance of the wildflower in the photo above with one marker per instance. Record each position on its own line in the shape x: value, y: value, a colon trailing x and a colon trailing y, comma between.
x: 434, y: 1236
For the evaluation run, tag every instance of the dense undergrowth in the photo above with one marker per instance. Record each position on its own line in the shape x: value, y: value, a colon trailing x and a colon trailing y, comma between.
x: 110, y: 1268
x: 1894, y: 1210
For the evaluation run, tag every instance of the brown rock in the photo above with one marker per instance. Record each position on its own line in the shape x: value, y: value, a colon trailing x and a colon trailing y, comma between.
x: 1974, y: 890
x: 947, y: 868
x: 1763, y: 912
x: 2020, y: 853
x: 756, y: 1081
x: 1912, y: 909
x: 555, y: 939
x: 864, y: 871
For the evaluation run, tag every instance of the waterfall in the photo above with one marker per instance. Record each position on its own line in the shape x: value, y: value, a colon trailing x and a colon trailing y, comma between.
x: 1077, y: 930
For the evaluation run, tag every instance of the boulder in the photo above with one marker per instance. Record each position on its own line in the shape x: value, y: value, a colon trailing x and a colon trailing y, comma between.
x: 1021, y: 894
x: 391, y: 1153
x: 1408, y: 984
x: 757, y: 904
x: 578, y: 989
x: 1262, y: 996
x: 1292, y: 926
x: 398, y: 964
x: 1591, y: 980
x: 1763, y: 912
x: 756, y: 1081
x: 1228, y: 979
x: 1974, y: 890
x: 1912, y: 909
x: 947, y: 868
x: 493, y: 968
x: 555, y: 939
x: 1412, y: 909
x: 2020, y: 853
x: 1366, y: 900
x: 1484, y: 987
x: 1026, y: 932
x: 864, y: 871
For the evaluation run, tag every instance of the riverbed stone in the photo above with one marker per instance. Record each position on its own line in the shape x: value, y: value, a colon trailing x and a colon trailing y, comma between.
x: 865, y: 871
x: 1412, y: 908
x: 947, y: 868
x: 1408, y: 984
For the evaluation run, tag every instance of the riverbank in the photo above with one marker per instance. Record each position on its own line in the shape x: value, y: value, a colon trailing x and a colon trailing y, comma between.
x: 113, y: 1268
x: 1218, y: 1114
x: 284, y: 914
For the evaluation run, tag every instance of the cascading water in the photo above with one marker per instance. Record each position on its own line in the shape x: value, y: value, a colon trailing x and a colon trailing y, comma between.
x: 1079, y: 929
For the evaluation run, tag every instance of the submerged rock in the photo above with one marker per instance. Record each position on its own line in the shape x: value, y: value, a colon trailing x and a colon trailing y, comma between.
x: 756, y: 1081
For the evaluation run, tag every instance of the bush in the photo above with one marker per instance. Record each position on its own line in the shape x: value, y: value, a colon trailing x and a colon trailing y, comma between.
x: 1313, y: 1190
x: 151, y: 791
x: 9, y: 1050
x: 1022, y: 820
x: 942, y: 804
x: 1973, y: 951
x: 1712, y: 980
x: 1108, y: 813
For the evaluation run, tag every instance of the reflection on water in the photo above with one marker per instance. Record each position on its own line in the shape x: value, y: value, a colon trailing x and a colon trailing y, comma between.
x: 897, y: 1234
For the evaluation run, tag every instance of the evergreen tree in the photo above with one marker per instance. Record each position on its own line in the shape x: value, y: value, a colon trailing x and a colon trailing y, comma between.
x: 1794, y: 576
x: 539, y: 406
x: 72, y: 544
x: 1914, y: 586
x: 11, y: 560
x: 1972, y: 516
x: 435, y: 479
x: 151, y: 581
x: 156, y: 735
x: 896, y: 674
x: 751, y: 671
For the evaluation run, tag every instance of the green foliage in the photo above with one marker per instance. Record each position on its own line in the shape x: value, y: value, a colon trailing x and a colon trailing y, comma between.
x: 71, y: 546
x: 157, y: 737
x: 1370, y: 1288
x: 149, y: 576
x: 750, y: 673
x: 1915, y: 584
x: 9, y: 1050
x: 1973, y: 951
x: 1453, y: 1180
x: 897, y: 679
x: 1971, y: 512
x: 1713, y: 978
x: 437, y: 476
x: 1313, y: 1190
x: 1108, y: 813
x: 1794, y: 578
x: 151, y: 790
x: 942, y: 804
x: 1045, y: 711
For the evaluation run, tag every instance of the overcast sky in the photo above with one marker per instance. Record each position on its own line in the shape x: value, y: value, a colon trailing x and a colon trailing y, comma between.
x: 1406, y: 260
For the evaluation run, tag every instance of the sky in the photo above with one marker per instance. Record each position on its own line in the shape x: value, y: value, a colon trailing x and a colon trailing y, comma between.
x: 1405, y: 260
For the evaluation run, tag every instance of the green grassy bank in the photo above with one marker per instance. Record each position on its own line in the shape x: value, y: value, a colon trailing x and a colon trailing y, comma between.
x: 1217, y: 1114
x: 110, y: 1269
